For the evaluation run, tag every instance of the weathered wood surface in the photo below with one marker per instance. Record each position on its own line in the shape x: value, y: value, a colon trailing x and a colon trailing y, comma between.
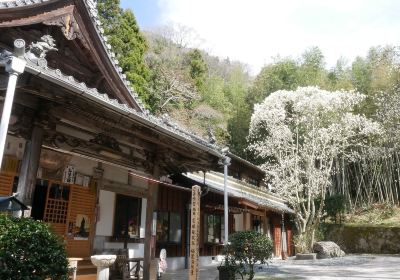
x: 149, y: 242
x: 6, y: 183
x: 29, y: 167
x: 126, y: 189
x: 82, y: 201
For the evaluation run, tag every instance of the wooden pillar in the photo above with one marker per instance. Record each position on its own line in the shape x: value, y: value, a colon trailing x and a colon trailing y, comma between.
x: 277, y: 231
x: 149, y: 243
x: 290, y: 242
x: 29, y: 167
x: 98, y: 173
x: 264, y: 223
x: 245, y: 219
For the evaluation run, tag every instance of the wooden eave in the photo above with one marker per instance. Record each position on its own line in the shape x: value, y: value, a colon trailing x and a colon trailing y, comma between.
x: 250, y: 169
x: 89, y: 33
x: 95, y: 112
x: 180, y: 150
x: 248, y: 203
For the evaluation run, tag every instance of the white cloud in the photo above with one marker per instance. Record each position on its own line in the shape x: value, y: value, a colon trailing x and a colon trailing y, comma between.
x: 254, y: 31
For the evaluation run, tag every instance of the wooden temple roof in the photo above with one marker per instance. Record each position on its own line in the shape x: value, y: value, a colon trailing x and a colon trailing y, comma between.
x: 79, y: 23
x: 238, y: 189
x: 73, y: 98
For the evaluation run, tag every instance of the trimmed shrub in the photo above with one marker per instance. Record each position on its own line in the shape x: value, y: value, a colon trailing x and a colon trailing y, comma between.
x: 29, y: 250
x: 247, y: 248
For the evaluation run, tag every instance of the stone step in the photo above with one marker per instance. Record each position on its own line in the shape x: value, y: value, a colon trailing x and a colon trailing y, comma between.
x: 86, y: 269
x: 86, y: 277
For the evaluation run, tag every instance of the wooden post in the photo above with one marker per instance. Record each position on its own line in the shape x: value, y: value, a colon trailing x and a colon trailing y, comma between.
x: 98, y: 176
x: 195, y: 234
x: 151, y: 202
x: 29, y: 167
x: 245, y: 219
x: 277, y: 236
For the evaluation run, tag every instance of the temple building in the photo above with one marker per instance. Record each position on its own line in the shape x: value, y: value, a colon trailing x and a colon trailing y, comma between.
x: 86, y: 157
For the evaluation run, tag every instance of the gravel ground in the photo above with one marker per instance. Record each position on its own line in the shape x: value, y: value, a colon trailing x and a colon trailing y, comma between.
x: 348, y: 267
x: 358, y: 267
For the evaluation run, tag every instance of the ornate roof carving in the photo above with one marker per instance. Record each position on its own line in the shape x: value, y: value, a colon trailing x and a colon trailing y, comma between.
x: 42, y: 47
x: 70, y: 30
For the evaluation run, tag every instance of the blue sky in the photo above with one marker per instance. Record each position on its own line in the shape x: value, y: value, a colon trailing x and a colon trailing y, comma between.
x: 255, y: 31
x: 147, y: 12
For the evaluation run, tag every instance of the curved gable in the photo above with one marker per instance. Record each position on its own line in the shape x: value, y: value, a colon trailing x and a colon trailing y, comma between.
x: 83, y: 49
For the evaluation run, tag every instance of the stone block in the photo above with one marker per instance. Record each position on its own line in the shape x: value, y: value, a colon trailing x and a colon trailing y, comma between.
x: 306, y: 256
x: 327, y: 249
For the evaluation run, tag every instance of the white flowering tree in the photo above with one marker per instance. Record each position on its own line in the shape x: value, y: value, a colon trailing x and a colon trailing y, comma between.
x: 297, y: 135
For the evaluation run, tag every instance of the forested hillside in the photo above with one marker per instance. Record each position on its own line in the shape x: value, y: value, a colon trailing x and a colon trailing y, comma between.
x: 214, y: 97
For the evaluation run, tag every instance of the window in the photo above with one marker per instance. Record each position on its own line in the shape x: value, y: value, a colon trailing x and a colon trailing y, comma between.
x: 175, y: 228
x: 169, y: 227
x: 57, y: 204
x: 60, y: 192
x: 214, y: 229
x: 127, y: 216
x: 258, y: 224
x: 162, y: 227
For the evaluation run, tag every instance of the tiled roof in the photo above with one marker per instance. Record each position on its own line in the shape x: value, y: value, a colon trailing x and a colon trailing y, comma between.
x: 92, y: 10
x: 261, y: 198
x: 20, y: 3
x: 91, y: 7
x: 55, y: 75
x: 40, y: 67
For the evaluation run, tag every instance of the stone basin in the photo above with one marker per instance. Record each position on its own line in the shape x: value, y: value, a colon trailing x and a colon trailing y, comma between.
x: 103, y: 260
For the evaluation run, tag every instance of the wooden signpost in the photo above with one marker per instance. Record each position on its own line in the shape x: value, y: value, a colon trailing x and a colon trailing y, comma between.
x: 195, y: 234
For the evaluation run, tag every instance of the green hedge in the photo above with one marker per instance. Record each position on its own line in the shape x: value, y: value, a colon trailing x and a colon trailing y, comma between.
x: 29, y: 250
x: 247, y: 248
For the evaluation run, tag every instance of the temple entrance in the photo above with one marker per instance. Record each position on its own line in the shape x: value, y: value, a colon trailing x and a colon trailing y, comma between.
x: 39, y: 200
x: 69, y: 210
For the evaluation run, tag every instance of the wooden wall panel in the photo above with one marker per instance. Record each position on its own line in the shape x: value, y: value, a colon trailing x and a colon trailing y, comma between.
x: 172, y: 200
x: 276, y: 231
x: 82, y: 201
x: 290, y: 242
x: 59, y: 229
x: 6, y: 183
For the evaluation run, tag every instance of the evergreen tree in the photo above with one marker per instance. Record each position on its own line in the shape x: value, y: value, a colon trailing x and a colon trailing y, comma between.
x: 312, y: 68
x: 197, y: 68
x: 128, y: 43
x: 282, y: 74
x: 109, y: 12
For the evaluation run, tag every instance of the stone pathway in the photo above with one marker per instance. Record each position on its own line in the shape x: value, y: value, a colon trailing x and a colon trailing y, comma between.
x: 206, y: 273
x: 356, y: 267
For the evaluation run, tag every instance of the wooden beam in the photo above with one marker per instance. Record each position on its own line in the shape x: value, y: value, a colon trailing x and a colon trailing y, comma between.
x: 256, y: 213
x: 126, y: 189
x: 248, y: 203
x: 29, y: 168
x: 183, y: 156
x: 149, y: 242
x: 79, y: 117
x: 34, y: 15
